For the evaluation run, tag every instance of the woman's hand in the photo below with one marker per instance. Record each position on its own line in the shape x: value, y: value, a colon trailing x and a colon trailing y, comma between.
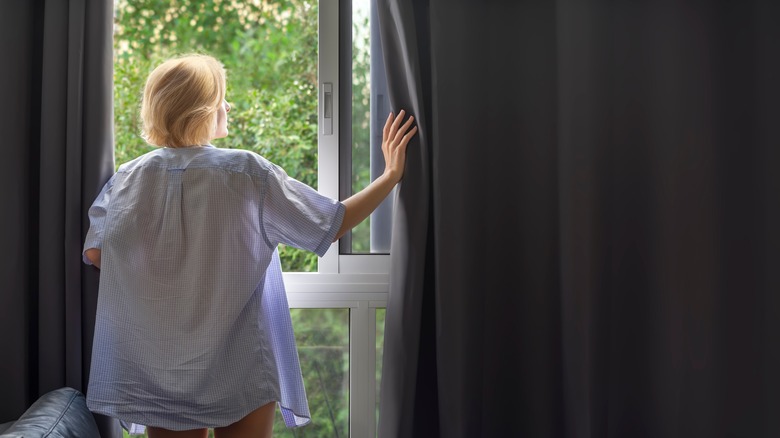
x: 395, y: 137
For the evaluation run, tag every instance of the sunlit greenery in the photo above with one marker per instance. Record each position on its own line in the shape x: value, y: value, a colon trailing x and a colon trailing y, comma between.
x: 322, y: 336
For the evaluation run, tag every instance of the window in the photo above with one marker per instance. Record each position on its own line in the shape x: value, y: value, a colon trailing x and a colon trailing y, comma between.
x: 322, y: 336
x: 306, y: 90
x: 362, y: 70
x: 354, y: 273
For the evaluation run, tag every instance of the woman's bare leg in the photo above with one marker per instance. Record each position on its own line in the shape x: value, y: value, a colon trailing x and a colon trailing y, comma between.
x: 258, y: 424
x: 156, y: 432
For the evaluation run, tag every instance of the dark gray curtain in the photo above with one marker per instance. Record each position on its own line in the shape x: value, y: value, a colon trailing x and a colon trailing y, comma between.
x: 586, y: 239
x: 56, y: 124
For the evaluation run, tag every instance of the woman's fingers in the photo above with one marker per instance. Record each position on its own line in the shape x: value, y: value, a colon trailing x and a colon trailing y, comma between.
x: 393, y: 131
x: 396, y: 135
x: 386, y: 129
x: 407, y: 137
x: 405, y: 141
x: 395, y: 124
x: 401, y: 132
x: 399, y: 119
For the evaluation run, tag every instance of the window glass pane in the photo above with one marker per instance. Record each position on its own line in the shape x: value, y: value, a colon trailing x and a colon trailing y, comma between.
x: 361, y: 113
x: 270, y: 52
x: 380, y: 349
x: 369, y: 110
x: 323, y: 349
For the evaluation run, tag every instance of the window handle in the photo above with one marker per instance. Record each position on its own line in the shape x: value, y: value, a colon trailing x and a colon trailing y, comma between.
x: 327, y: 108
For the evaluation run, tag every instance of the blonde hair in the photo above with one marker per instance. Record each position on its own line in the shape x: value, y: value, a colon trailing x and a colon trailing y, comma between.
x: 180, y: 101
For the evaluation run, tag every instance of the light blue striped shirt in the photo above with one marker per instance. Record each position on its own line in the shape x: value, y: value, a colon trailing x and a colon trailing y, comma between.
x: 193, y: 327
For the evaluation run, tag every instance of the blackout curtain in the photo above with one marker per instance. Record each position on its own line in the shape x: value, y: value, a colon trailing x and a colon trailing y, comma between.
x: 586, y: 239
x: 57, y: 151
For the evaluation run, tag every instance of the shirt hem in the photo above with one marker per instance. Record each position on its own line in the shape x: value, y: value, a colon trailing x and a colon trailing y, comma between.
x: 140, y: 419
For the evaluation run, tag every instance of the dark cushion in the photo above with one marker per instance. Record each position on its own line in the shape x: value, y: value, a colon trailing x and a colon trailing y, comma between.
x: 60, y: 413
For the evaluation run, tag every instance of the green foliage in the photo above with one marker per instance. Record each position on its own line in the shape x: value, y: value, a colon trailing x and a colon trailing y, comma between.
x: 322, y: 336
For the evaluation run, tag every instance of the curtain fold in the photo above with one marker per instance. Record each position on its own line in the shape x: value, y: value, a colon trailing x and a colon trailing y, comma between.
x: 405, y: 45
x: 585, y: 241
x: 58, y: 133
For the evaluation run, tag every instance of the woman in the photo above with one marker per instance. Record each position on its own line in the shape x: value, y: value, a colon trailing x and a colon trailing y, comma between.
x: 193, y: 329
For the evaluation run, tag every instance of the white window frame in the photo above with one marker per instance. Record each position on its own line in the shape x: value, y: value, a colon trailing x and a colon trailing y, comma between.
x: 359, y: 282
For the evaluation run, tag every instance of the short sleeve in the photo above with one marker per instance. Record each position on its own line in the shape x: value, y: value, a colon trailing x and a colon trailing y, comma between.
x: 97, y: 219
x: 297, y: 215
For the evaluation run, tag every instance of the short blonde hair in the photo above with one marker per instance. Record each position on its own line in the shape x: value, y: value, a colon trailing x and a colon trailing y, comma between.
x: 181, y: 99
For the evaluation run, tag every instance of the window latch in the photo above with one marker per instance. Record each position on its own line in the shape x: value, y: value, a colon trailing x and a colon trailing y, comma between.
x: 327, y: 108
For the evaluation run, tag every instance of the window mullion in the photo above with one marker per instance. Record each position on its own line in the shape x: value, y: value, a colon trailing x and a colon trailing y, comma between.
x: 344, y: 59
x: 359, y: 400
x: 328, y: 139
x: 371, y: 382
